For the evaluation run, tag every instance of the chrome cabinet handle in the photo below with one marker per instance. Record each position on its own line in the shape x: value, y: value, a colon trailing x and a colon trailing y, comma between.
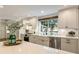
x: 67, y: 39
x: 67, y: 42
x: 42, y: 40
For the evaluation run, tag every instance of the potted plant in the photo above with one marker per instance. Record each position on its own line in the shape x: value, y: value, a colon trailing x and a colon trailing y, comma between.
x: 13, y: 28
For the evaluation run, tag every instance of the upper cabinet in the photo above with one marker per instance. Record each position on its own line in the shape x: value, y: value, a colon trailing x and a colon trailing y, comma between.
x: 68, y: 18
x: 30, y: 24
x: 2, y: 30
x: 33, y: 22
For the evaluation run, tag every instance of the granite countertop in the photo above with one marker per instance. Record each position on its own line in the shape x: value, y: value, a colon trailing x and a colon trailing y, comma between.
x: 60, y: 36
x: 29, y: 48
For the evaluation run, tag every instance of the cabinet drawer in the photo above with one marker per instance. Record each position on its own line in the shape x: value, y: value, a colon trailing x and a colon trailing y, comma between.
x: 40, y: 40
x: 69, y: 45
x: 44, y: 42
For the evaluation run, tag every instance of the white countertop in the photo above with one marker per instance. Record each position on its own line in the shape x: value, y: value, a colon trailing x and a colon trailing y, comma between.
x: 30, y: 48
x: 59, y: 36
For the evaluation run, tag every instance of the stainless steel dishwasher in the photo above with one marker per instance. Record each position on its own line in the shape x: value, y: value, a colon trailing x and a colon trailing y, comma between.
x: 56, y: 42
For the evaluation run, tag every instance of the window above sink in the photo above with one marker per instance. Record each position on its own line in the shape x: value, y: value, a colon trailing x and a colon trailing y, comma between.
x: 49, y: 26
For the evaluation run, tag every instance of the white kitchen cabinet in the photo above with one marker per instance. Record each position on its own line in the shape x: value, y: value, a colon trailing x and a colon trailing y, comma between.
x: 30, y: 24
x: 40, y: 40
x: 68, y: 18
x: 78, y: 45
x: 2, y: 30
x: 43, y: 40
x: 33, y: 22
x: 69, y: 45
x: 33, y: 39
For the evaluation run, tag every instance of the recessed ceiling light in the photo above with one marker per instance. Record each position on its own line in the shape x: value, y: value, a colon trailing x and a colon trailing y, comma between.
x: 42, y: 11
x: 1, y: 6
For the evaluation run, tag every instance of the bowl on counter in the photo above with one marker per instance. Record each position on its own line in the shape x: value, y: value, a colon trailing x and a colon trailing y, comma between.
x: 5, y: 43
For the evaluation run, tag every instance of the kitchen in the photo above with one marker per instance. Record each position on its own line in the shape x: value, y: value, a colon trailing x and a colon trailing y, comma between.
x: 57, y: 30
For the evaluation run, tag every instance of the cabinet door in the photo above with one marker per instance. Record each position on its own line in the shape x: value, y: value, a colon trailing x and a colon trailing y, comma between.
x: 39, y: 40
x: 78, y: 46
x: 44, y: 41
x: 2, y: 31
x: 72, y: 18
x: 62, y: 20
x: 69, y: 45
x: 33, y: 39
x: 33, y: 22
x: 68, y: 18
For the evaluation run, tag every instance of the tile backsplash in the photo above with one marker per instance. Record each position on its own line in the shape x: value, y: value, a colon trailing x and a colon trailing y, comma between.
x: 64, y: 32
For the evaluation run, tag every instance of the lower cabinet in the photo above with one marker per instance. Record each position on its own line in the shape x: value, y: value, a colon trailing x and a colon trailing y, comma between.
x: 69, y: 45
x: 33, y: 39
x: 46, y: 41
x: 78, y: 46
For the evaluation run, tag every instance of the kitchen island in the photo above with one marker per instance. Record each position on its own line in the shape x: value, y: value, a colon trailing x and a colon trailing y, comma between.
x: 29, y: 48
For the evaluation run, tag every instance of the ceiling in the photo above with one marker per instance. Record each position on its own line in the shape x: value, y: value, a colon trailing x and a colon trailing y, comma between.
x: 20, y: 11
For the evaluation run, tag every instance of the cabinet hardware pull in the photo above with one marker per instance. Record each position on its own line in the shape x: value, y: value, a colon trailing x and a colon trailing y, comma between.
x: 67, y: 42
x: 42, y: 40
